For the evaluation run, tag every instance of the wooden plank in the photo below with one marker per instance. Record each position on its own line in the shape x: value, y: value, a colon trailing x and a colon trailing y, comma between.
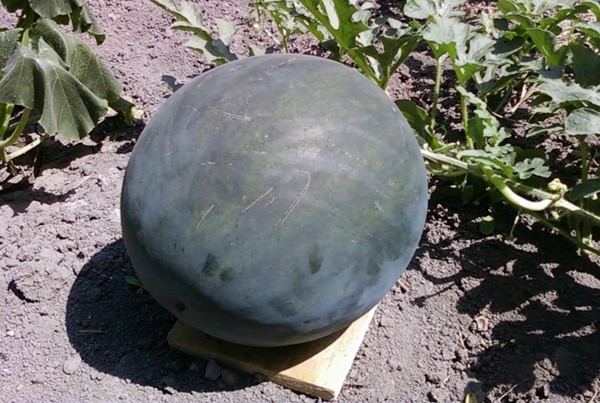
x: 317, y: 368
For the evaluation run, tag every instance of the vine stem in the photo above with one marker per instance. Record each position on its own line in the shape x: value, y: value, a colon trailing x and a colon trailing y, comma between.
x: 436, y: 92
x: 25, y: 149
x: 544, y: 200
x: 23, y: 120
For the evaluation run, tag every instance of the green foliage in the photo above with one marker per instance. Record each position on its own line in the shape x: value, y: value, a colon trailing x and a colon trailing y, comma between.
x: 523, y: 69
x: 50, y: 77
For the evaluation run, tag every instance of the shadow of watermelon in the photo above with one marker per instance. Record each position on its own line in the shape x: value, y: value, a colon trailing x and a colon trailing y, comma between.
x: 118, y: 329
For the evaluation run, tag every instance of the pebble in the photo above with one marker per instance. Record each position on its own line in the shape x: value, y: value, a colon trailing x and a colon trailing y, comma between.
x: 433, y: 378
x: 229, y: 377
x: 434, y: 396
x: 386, y: 322
x: 472, y: 341
x: 213, y: 370
x: 72, y: 364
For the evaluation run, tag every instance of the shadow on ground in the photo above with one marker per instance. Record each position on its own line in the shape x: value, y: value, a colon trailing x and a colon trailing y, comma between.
x: 545, y: 303
x: 121, y: 331
x: 118, y: 329
x: 552, y: 298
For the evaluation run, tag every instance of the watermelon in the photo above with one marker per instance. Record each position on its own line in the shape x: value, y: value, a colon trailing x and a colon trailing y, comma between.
x: 274, y: 200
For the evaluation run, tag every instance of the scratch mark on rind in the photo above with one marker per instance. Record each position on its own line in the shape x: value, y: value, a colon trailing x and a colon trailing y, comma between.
x: 207, y: 212
x: 236, y: 116
x: 258, y: 199
x: 292, y: 207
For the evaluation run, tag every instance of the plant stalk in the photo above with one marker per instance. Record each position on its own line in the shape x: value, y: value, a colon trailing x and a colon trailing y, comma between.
x: 436, y: 92
x: 23, y: 120
x: 508, y: 188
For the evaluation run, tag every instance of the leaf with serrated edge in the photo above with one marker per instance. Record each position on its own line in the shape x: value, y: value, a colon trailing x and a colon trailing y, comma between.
x: 348, y: 29
x: 419, y: 9
x: 189, y: 19
x: 34, y: 81
x: 62, y: 11
x: 54, y: 8
x: 82, y: 62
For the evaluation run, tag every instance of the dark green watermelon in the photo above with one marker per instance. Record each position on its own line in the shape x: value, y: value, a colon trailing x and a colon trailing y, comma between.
x: 274, y: 200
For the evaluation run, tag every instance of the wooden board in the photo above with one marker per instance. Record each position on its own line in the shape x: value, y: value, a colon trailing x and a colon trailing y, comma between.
x: 318, y: 368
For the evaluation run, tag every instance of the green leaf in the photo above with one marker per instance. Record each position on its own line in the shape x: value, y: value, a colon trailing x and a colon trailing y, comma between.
x: 8, y: 41
x: 507, y: 6
x: 190, y: 19
x: 418, y: 119
x: 545, y: 42
x: 84, y: 21
x: 80, y: 59
x: 338, y: 19
x: 594, y: 7
x: 586, y: 64
x: 419, y: 9
x: 55, y: 8
x: 563, y: 94
x: 583, y: 121
x: 61, y: 11
x: 591, y: 29
x: 36, y: 81
x: 584, y: 189
x: 528, y: 167
x: 447, y: 30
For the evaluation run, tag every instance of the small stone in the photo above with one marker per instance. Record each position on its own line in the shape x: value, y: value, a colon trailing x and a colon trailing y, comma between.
x: 194, y: 367
x: 472, y: 341
x: 386, y: 322
x: 229, y: 377
x: 213, y: 370
x: 433, y: 378
x: 433, y: 396
x: 482, y: 323
x: 72, y: 364
x: 98, y: 376
x: 10, y: 333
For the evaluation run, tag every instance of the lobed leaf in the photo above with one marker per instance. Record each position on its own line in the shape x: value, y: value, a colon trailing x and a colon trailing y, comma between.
x: 337, y: 17
x: 80, y: 59
x: 61, y: 11
x: 419, y: 9
x: 190, y: 19
x: 36, y: 81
